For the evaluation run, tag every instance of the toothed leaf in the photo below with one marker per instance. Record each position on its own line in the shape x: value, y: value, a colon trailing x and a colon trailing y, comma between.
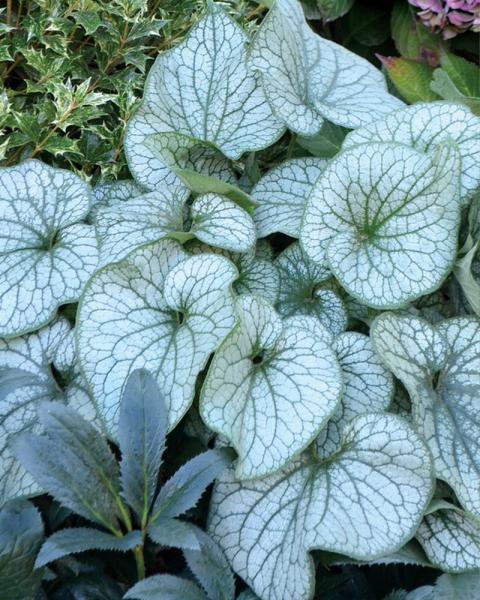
x: 165, y: 587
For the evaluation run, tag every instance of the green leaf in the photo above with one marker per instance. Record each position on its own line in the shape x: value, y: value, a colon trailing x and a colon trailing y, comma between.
x: 457, y: 586
x: 412, y: 38
x: 465, y: 75
x: 307, y: 78
x: 45, y: 241
x: 165, y: 587
x: 219, y: 221
x: 21, y: 535
x: 426, y: 127
x: 364, y: 501
x: 73, y: 463
x: 304, y: 290
x: 437, y: 365
x: 142, y: 430
x: 30, y: 370
x: 174, y: 534
x: 466, y: 278
x: 269, y: 389
x: 154, y: 310
x: 189, y: 92
x: 411, y: 78
x: 282, y: 194
x: 451, y: 540
x: 443, y: 85
x: 211, y: 569
x: 185, y: 488
x: 387, y: 218
x: 326, y: 143
x: 330, y: 10
x: 368, y: 25
x: 81, y: 539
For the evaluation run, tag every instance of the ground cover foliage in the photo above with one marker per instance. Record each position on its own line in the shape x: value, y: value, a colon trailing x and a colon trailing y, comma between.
x: 239, y: 301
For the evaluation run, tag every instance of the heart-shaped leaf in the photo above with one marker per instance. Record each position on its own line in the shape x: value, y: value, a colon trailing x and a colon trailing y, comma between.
x: 257, y: 273
x: 451, y: 540
x: 387, y: 217
x: 201, y: 92
x: 304, y: 290
x: 34, y: 368
x: 307, y: 78
x: 44, y: 240
x: 154, y: 310
x: 368, y: 387
x: 364, y: 501
x: 439, y: 366
x: 109, y: 193
x: 270, y: 389
x: 21, y: 534
x: 282, y: 194
x: 427, y: 126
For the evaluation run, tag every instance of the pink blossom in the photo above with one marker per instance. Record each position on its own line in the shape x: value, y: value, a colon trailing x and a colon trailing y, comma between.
x: 450, y: 17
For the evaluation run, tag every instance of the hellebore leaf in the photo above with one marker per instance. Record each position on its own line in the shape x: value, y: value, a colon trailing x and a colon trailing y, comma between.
x: 269, y: 389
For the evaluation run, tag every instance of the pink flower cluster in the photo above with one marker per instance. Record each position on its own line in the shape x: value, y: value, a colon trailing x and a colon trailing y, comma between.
x: 451, y: 17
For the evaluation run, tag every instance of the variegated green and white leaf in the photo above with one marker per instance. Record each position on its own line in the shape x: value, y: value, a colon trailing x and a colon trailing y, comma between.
x: 365, y: 501
x: 368, y: 387
x: 201, y: 92
x: 110, y: 193
x: 307, y: 78
x: 451, y: 540
x: 304, y: 290
x: 270, y: 389
x: 440, y: 368
x: 47, y: 252
x: 218, y: 221
x: 282, y: 194
x: 125, y: 225
x: 34, y: 368
x: 158, y: 310
x: 258, y: 275
x: 427, y: 126
x: 387, y: 217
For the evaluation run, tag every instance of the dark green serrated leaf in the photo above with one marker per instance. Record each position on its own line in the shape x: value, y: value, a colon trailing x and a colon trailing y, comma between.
x: 141, y: 433
x: 80, y: 539
x: 326, y: 143
x: 174, y: 534
x: 211, y: 569
x: 21, y: 534
x: 184, y: 489
x: 165, y: 587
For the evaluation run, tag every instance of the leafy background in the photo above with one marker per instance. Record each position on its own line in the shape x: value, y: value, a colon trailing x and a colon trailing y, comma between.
x: 72, y: 74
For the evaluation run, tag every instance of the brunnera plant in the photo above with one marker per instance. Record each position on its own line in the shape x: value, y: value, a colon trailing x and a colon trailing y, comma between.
x: 246, y: 305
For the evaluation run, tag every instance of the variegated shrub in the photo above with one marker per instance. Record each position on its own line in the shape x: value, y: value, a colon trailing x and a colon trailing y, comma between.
x: 248, y: 277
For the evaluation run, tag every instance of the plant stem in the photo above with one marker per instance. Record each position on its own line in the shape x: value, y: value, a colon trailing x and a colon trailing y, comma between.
x: 140, y: 562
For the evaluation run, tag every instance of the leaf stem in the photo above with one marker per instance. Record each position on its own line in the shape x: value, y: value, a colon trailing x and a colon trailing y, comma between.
x: 140, y: 562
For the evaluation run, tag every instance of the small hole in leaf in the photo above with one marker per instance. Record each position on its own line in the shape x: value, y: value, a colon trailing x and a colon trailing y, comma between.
x: 180, y: 318
x: 257, y: 359
x: 61, y: 382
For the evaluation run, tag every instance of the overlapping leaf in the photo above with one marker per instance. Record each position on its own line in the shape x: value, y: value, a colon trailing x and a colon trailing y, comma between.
x: 387, y: 218
x: 365, y: 501
x: 451, y: 540
x: 203, y: 97
x: 427, y: 126
x: 47, y: 252
x: 307, y: 78
x: 155, y: 310
x: 282, y: 194
x: 39, y: 366
x: 269, y: 389
x: 304, y: 290
x: 439, y: 366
